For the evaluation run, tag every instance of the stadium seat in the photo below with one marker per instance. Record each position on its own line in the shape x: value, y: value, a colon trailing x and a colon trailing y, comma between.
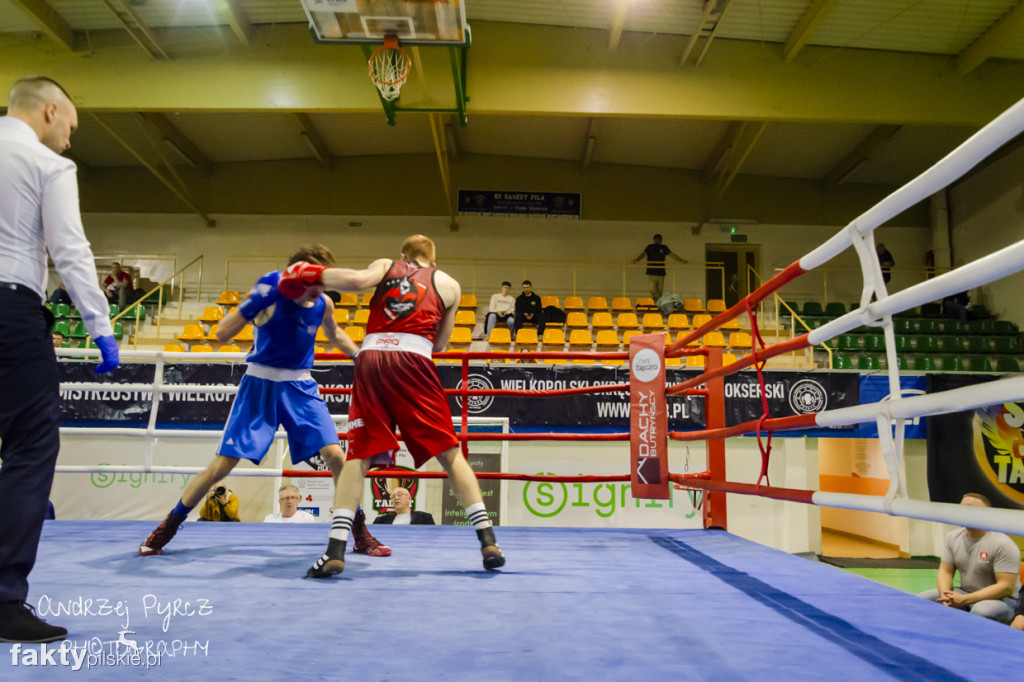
x: 677, y: 321
x: 904, y: 326
x: 926, y: 343
x: 954, y: 344
x: 728, y: 359
x: 979, y: 327
x: 573, y: 303
x: 192, y: 332
x: 362, y: 317
x: 622, y: 304
x: 951, y: 363
x: 629, y: 334
x: 701, y: 320
x: 645, y: 304
x: 212, y: 313
x: 842, y: 362
x: 465, y: 318
x: 835, y: 309
x: 607, y: 341
x: 1004, y: 344
x: 545, y: 301
x: 576, y: 320
x: 348, y: 300
x: 230, y: 348
x: 201, y: 348
x: 526, y: 338
x: 1004, y: 327
x: 113, y: 309
x: 580, y: 340
x: 695, y: 361
x: 80, y: 332
x: 118, y: 330
x: 357, y: 334
x: 926, y: 363
x: 602, y: 321
x: 1005, y: 364
x: 653, y: 322
x: 228, y: 298
x: 597, y: 304
x: 341, y: 316
x: 246, y: 334
x: 739, y: 340
x: 174, y: 348
x: 714, y: 340
x: 61, y: 310
x: 553, y: 337
x: 874, y: 343
x: 868, y: 363
x: 460, y: 339
x: 731, y: 325
x: 715, y: 306
x: 812, y: 309
x: 627, y: 321
x: 977, y: 363
x: 212, y: 334
x: 849, y: 342
x: 364, y: 300
x: 467, y: 301
x: 62, y: 327
x: 321, y: 336
x: 500, y: 338
x: 693, y: 305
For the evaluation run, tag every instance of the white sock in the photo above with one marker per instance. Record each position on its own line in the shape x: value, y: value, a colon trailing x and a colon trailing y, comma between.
x: 342, y: 524
x: 477, y: 514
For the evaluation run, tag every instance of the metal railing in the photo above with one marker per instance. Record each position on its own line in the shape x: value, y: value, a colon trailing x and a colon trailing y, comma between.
x: 158, y: 291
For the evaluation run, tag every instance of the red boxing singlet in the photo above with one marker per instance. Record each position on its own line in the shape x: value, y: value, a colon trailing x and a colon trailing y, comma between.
x: 406, y: 301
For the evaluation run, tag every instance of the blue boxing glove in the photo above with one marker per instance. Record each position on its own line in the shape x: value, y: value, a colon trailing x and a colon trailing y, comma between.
x: 110, y: 353
x: 262, y: 295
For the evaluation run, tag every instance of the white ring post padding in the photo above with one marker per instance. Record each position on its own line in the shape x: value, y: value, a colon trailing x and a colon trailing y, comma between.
x: 1009, y: 521
x: 1006, y: 261
x: 961, y: 399
x: 1001, y: 130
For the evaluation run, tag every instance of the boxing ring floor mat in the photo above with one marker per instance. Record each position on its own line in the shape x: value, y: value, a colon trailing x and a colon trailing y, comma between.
x: 230, y: 601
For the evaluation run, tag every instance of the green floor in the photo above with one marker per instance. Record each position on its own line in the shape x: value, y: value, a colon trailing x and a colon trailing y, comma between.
x: 912, y: 580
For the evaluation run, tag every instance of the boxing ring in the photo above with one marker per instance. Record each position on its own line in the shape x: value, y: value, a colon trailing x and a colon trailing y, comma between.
x: 605, y: 603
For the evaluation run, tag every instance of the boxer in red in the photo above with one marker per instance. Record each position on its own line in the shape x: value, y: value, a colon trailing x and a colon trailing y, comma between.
x: 411, y: 316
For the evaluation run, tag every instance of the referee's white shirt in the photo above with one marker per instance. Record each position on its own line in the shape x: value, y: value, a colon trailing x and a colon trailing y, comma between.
x: 38, y: 212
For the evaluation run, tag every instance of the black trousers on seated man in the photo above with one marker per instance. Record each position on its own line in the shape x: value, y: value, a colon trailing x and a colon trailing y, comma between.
x: 520, y: 320
x: 29, y: 429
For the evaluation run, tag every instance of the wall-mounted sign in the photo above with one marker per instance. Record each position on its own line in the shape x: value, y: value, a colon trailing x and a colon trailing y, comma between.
x: 525, y: 204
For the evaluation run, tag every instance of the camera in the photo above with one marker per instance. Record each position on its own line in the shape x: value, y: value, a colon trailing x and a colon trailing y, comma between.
x: 219, y: 491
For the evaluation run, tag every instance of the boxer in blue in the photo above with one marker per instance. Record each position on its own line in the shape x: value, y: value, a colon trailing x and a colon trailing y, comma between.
x: 277, y: 389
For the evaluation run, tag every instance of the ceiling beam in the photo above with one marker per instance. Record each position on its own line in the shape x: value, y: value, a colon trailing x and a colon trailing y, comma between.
x: 722, y: 8
x: 444, y: 166
x: 618, y: 21
x: 313, y: 140
x: 718, y: 159
x: 163, y: 132
x: 179, y: 191
x: 851, y: 163
x: 51, y: 23
x: 237, y: 20
x: 709, y: 7
x: 744, y: 147
x: 1009, y: 27
x: 805, y: 27
x: 588, y: 145
x: 136, y: 28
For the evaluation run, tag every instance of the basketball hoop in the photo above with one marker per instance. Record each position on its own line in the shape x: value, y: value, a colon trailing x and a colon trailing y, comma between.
x: 389, y: 67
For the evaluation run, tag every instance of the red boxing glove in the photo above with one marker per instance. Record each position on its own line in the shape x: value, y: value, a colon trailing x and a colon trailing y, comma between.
x: 299, y: 277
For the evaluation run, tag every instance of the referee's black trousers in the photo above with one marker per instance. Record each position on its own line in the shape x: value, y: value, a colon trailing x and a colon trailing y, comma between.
x: 29, y: 436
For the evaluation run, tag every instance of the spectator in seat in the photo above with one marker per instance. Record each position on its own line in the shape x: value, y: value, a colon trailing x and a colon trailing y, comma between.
x: 60, y: 294
x: 290, y: 497
x: 886, y: 260
x: 58, y: 340
x: 655, y: 253
x: 221, y: 504
x: 989, y: 566
x: 502, y: 307
x: 403, y: 515
x: 118, y: 284
x: 955, y: 305
x: 528, y: 309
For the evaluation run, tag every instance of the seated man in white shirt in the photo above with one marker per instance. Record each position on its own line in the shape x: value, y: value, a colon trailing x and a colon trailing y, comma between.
x: 503, y: 307
x: 290, y: 513
x: 403, y: 515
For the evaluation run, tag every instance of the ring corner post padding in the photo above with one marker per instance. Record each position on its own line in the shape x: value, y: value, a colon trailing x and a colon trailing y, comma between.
x: 648, y: 420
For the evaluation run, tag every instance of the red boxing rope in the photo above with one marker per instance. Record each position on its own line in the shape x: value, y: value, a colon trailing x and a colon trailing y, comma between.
x: 405, y: 473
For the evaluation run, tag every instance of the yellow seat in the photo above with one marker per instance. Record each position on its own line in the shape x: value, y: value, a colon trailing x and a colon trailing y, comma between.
x: 627, y: 321
x: 677, y: 321
x: 606, y: 361
x: 714, y: 340
x: 321, y: 336
x: 201, y: 348
x: 629, y: 334
x: 580, y: 339
x: 645, y: 303
x: 584, y: 361
x: 716, y: 305
x: 500, y: 336
x: 693, y: 344
x: 212, y: 313
x: 731, y: 325
x: 739, y: 340
x: 192, y: 332
x: 701, y: 320
x: 673, y: 362
x: 230, y: 348
x: 576, y: 320
x: 694, y: 360
x: 621, y: 304
x: 361, y: 318
x: 245, y: 334
x: 348, y: 299
x: 174, y: 348
x: 229, y: 298
x: 465, y: 318
x: 653, y: 322
x: 573, y: 303
x: 526, y: 338
x: 693, y: 305
x: 357, y: 334
x: 212, y: 334
x: 545, y: 301
x: 364, y: 301
x: 468, y: 301
x: 607, y: 342
x: 553, y: 339
x: 602, y: 321
x: 460, y: 339
x: 728, y: 359
x: 597, y: 304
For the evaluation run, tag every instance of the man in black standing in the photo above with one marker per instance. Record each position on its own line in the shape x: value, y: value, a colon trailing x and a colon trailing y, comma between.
x: 38, y: 213
x: 528, y: 309
x: 656, y: 252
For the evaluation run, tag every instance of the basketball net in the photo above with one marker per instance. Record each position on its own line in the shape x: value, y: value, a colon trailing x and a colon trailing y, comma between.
x: 389, y: 67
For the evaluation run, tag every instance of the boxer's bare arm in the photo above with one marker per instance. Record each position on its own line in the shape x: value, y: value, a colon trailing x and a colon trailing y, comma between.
x: 344, y: 279
x: 450, y: 292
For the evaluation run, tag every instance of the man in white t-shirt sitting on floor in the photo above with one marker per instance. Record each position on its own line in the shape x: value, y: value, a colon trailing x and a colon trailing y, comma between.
x: 403, y: 515
x: 290, y: 512
x: 989, y: 565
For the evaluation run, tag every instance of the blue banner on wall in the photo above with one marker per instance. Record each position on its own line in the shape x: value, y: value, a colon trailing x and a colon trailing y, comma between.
x: 524, y: 204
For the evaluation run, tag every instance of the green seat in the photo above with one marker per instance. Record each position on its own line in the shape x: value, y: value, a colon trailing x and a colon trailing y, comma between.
x: 980, y: 312
x: 118, y: 330
x: 926, y: 344
x: 812, y: 309
x: 1004, y: 327
x: 842, y: 362
x: 977, y: 344
x: 979, y: 327
x: 931, y: 310
x: 835, y: 309
x: 62, y: 327
x: 929, y: 327
x: 854, y: 306
x: 79, y: 331
x: 849, y: 342
x: 868, y: 362
x: 902, y: 363
x: 65, y: 344
x: 952, y: 363
x: 874, y: 343
x: 114, y: 309
x: 904, y: 326
x: 62, y: 310
x: 1004, y: 344
x: 833, y: 343
x: 1005, y: 364
x: 912, y: 312
x: 75, y: 314
x: 903, y: 344
x: 924, y: 363
x: 977, y: 363
x: 954, y: 344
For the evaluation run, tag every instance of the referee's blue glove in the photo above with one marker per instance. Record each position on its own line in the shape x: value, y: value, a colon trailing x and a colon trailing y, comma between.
x: 111, y: 356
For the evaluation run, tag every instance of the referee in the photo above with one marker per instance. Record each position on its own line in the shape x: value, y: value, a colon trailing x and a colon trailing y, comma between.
x: 38, y: 213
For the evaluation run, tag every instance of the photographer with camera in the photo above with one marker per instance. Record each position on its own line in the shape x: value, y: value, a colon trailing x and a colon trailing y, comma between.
x: 221, y: 504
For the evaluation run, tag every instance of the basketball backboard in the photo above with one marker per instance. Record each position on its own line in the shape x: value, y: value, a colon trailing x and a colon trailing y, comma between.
x: 414, y: 22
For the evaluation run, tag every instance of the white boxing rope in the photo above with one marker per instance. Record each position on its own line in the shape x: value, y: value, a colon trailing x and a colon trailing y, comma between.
x: 1001, y: 130
x: 128, y: 469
